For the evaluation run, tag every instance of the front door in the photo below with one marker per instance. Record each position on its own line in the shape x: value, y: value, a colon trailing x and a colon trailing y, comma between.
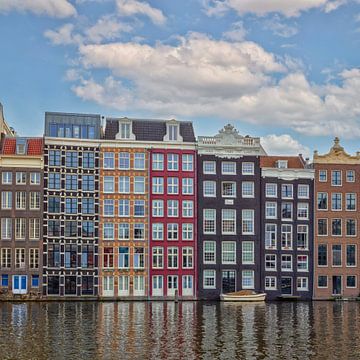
x: 172, y: 285
x: 123, y: 285
x: 286, y: 286
x: 19, y: 284
x: 336, y: 283
x: 228, y: 281
x: 139, y: 285
x: 108, y: 286
x: 187, y: 285
x: 157, y: 285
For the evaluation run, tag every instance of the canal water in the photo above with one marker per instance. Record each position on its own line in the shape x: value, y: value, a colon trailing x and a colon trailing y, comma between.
x: 188, y: 330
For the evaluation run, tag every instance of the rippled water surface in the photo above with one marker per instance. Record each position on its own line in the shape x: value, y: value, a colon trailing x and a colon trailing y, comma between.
x: 189, y: 330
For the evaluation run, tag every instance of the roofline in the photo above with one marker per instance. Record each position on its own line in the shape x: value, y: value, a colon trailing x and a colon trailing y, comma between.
x: 154, y: 120
x: 71, y: 114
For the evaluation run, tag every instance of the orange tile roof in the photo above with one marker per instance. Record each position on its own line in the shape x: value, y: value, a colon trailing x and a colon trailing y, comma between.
x: 34, y: 146
x: 294, y: 162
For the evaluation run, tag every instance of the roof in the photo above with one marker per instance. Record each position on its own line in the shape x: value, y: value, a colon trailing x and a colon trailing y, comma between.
x: 149, y: 130
x: 294, y: 162
x: 34, y: 146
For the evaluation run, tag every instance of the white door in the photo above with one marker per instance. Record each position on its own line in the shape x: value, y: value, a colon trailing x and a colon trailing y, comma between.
x: 172, y: 285
x: 123, y: 285
x: 108, y: 286
x: 19, y: 283
x: 187, y: 285
x: 157, y: 285
x: 139, y: 285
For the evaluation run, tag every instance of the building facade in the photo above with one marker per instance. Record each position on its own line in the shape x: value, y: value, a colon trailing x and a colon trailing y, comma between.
x: 71, y: 204
x: 287, y: 188
x: 229, y: 208
x: 336, y: 222
x: 21, y: 215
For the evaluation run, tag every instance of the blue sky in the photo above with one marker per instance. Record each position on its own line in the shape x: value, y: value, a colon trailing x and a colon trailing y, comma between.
x: 287, y: 71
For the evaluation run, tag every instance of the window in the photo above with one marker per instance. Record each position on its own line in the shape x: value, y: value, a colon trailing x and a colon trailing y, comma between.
x: 88, y: 160
x: 322, y: 227
x: 287, y: 191
x: 322, y: 255
x: 350, y: 176
x: 71, y: 228
x: 34, y: 281
x: 286, y: 262
x: 286, y: 211
x: 302, y: 284
x: 5, y: 258
x: 20, y: 200
x: 228, y: 221
x: 54, y: 182
x: 108, y: 231
x: 71, y: 182
x: 139, y: 208
x: 336, y: 227
x: 172, y: 208
x: 302, y: 263
x: 139, y: 161
x: 108, y: 261
x: 247, y: 189
x: 209, y: 167
x: 209, y: 279
x: 173, y: 185
x: 248, y: 168
x: 6, y: 200
x: 228, y: 252
x: 158, y: 162
x: 124, y: 257
x: 109, y: 186
x: 271, y: 190
x: 139, y: 231
x: 270, y: 262
x: 53, y: 204
x: 109, y: 160
x: 70, y: 256
x: 187, y: 257
x: 350, y: 255
x: 35, y: 178
x: 336, y: 178
x: 20, y: 228
x: 286, y: 236
x: 53, y: 255
x: 270, y: 210
x: 71, y: 160
x: 351, y: 281
x: 124, y: 231
x: 54, y: 228
x: 322, y: 281
x: 6, y: 178
x: 323, y: 175
x: 248, y: 279
x: 87, y: 256
x: 20, y: 178
x: 187, y: 232
x: 158, y: 185
x: 88, y: 229
x: 157, y: 257
x: 270, y: 283
x: 350, y: 227
x: 157, y: 208
x: 187, y: 162
x: 71, y: 206
x: 303, y: 191
x: 54, y: 158
x: 248, y: 252
x: 209, y: 252
x: 209, y: 188
x: 172, y: 259
x: 188, y: 209
x: 124, y: 207
x: 172, y: 231
x: 228, y: 168
x: 109, y: 209
x: 302, y: 237
x: 282, y: 164
x: 209, y: 225
x: 88, y: 183
x: 6, y: 228
x: 228, y: 189
x: 303, y: 211
x: 158, y: 231
x: 173, y: 162
x: 34, y: 229
x: 350, y: 202
x: 248, y: 222
x: 187, y: 186
x: 124, y: 161
x: 270, y: 236
x: 336, y: 199
x: 19, y: 258
x: 336, y: 255
x: 124, y: 184
x: 322, y: 201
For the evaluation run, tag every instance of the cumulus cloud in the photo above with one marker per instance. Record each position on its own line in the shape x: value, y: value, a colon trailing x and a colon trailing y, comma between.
x: 237, y: 32
x: 284, y: 145
x: 63, y: 35
x: 134, y: 7
x: 53, y: 8
x: 288, y: 8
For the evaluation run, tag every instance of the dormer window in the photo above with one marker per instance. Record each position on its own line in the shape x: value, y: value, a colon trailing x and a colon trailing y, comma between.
x: 282, y: 164
x: 125, y: 131
x: 20, y: 146
x: 173, y: 131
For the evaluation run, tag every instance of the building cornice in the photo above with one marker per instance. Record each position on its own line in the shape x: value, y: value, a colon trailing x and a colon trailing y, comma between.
x: 288, y: 174
x: 18, y: 161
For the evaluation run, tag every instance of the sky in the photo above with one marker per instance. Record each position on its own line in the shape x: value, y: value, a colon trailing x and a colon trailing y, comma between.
x: 287, y: 71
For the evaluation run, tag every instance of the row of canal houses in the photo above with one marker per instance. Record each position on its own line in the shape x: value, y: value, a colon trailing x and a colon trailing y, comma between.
x: 123, y: 208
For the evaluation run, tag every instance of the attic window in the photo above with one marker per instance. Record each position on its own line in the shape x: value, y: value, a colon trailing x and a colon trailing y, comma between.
x: 173, y: 132
x: 125, y: 130
x: 20, y: 146
x: 282, y: 164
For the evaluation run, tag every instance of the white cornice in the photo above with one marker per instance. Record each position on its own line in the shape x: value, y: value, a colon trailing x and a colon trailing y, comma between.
x: 18, y: 161
x: 288, y: 174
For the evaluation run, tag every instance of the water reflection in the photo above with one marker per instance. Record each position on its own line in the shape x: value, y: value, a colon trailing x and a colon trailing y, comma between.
x: 189, y: 330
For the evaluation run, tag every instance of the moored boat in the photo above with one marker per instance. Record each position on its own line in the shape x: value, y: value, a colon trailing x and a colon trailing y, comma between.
x: 243, y: 296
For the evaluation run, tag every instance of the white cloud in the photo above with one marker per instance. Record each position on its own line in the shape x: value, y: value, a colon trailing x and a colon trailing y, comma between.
x: 63, y: 35
x: 54, y: 8
x: 134, y: 7
x: 284, y: 145
x: 237, y: 32
x: 279, y: 27
x: 288, y: 8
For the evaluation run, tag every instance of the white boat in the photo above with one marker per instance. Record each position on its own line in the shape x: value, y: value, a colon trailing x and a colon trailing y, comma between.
x: 243, y: 296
